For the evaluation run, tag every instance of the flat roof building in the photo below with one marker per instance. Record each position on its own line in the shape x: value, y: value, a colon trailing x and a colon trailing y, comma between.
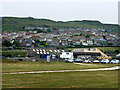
x: 87, y: 52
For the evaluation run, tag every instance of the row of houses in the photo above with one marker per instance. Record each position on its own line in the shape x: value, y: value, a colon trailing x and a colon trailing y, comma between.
x: 62, y: 37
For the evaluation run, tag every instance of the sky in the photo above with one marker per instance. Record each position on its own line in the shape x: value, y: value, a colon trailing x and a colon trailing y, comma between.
x: 105, y: 11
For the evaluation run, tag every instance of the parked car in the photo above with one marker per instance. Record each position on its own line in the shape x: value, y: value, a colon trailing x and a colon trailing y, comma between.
x: 104, y: 61
x: 78, y: 60
x: 114, y: 61
x: 87, y: 61
x: 96, y: 61
x: 68, y: 60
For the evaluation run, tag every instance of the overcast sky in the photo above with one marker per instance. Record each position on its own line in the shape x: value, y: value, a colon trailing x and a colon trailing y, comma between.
x: 105, y: 11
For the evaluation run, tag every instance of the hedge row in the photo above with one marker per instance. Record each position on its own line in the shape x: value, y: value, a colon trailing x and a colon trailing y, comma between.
x: 14, y: 54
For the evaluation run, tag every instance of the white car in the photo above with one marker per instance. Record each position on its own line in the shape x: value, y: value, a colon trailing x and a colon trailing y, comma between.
x: 105, y: 61
x: 87, y: 61
x: 68, y: 60
x: 114, y: 61
x: 78, y: 61
x: 96, y: 61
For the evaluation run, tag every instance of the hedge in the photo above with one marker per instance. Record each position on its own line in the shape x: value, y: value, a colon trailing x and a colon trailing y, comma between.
x: 13, y: 54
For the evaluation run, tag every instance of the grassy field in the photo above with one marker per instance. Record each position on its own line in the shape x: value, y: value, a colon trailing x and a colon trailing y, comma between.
x: 92, y: 79
x: 17, y: 66
x: 96, y: 79
x: 106, y: 49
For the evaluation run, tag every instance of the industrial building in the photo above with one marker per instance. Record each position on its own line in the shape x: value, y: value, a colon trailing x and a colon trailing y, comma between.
x: 87, y: 52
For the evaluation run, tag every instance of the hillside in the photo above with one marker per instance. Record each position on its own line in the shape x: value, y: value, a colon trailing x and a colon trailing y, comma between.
x: 17, y: 24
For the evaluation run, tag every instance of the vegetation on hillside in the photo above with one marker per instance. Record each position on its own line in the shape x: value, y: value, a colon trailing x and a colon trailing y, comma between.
x: 18, y: 24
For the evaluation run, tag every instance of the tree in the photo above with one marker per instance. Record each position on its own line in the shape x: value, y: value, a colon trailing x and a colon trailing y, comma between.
x: 87, y: 36
x: 110, y: 43
x: 16, y: 43
x: 37, y: 41
x: 46, y: 44
x: 6, y: 43
x: 42, y: 42
x: 76, y: 35
x: 54, y: 28
x: 48, y: 30
x: 104, y: 37
x: 80, y: 34
x: 116, y: 51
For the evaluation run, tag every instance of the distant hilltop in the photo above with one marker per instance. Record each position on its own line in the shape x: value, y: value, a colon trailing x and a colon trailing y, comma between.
x: 17, y: 24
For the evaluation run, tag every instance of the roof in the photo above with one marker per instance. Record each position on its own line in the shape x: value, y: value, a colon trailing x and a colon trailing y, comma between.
x: 118, y: 54
x: 89, y: 50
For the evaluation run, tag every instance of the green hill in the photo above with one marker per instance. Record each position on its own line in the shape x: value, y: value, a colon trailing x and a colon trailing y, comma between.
x: 17, y: 24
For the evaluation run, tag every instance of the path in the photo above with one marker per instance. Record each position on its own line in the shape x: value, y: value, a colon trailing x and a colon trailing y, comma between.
x: 112, y: 68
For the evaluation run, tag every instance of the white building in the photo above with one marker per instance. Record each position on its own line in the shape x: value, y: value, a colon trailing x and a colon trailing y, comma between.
x: 65, y: 55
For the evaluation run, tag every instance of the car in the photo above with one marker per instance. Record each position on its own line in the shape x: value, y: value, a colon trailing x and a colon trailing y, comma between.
x: 105, y: 61
x: 114, y: 61
x: 68, y: 60
x: 83, y: 58
x: 87, y: 61
x: 78, y: 61
x: 96, y: 61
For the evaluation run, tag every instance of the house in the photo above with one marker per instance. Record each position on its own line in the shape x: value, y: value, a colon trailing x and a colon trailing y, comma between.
x: 63, y: 33
x: 20, y: 38
x: 89, y: 41
x: 42, y: 38
x: 84, y: 43
x: 49, y: 39
x: 27, y: 42
x: 55, y: 42
x: 110, y: 38
x: 29, y: 28
x: 75, y: 38
x: 27, y: 36
x: 76, y: 42
x: 63, y: 42
x: 96, y: 37
x: 34, y: 37
x: 82, y: 38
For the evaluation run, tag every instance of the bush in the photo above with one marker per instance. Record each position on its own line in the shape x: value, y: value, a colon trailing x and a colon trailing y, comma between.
x: 6, y: 43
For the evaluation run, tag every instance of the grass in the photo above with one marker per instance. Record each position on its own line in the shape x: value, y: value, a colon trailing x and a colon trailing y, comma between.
x: 95, y: 79
x: 92, y: 79
x: 18, y: 66
x: 106, y: 49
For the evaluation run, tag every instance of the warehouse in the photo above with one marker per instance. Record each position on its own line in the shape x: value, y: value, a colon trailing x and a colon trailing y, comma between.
x: 87, y: 52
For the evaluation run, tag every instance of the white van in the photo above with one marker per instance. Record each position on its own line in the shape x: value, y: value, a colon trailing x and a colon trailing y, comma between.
x: 68, y: 60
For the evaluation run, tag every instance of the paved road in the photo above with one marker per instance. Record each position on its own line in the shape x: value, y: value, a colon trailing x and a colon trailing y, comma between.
x: 112, y: 68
